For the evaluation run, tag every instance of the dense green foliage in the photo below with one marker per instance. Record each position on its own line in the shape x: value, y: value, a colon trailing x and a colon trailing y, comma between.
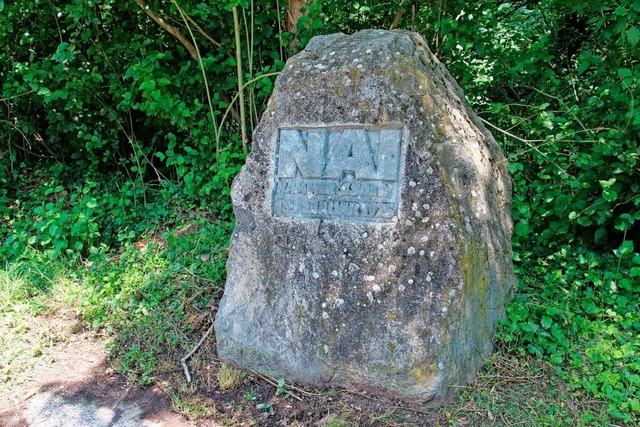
x: 109, y: 133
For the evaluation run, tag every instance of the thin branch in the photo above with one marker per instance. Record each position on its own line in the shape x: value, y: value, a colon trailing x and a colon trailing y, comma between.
x: 526, y: 141
x: 200, y: 30
x: 227, y: 100
x: 174, y: 31
x: 16, y: 96
x: 204, y: 77
x: 272, y: 381
x: 561, y: 103
x: 243, y: 123
x: 183, y: 361
x: 226, y: 113
x: 55, y: 18
x: 38, y: 138
x: 399, y: 14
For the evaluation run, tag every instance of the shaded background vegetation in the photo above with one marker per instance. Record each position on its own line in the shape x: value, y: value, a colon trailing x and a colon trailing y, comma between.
x: 120, y: 120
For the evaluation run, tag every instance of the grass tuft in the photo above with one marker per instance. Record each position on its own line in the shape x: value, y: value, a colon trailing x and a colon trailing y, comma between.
x: 229, y: 378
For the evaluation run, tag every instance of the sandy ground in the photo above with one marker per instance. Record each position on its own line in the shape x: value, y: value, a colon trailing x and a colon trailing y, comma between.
x: 56, y: 374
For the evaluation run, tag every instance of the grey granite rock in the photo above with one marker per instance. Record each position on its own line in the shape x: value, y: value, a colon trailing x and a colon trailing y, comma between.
x: 372, y: 247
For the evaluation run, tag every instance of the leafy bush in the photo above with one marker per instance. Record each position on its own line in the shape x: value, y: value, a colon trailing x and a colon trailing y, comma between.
x: 579, y: 310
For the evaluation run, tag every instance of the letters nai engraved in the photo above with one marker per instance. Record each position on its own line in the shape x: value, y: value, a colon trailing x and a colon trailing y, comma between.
x: 337, y: 174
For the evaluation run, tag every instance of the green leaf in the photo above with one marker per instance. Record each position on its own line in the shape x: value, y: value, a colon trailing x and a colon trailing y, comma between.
x: 163, y: 82
x: 583, y: 66
x: 54, y: 230
x: 521, y: 229
x: 600, y: 235
x: 626, y: 283
x: 634, y: 272
x: 546, y: 322
x: 608, y: 183
x: 590, y: 307
x: 624, y: 72
x: 503, y: 7
x: 633, y: 35
x: 1, y: 5
x: 148, y: 85
x: 625, y: 248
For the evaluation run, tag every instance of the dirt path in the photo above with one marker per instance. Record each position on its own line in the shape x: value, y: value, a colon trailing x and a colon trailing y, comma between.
x: 55, y: 373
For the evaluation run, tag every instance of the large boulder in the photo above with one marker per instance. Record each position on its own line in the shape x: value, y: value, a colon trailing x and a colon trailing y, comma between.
x: 372, y: 247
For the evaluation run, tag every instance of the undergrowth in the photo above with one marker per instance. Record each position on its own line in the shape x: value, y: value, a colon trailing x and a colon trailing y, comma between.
x: 579, y: 310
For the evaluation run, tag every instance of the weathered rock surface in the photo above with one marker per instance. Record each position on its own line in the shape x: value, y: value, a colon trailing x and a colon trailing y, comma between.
x: 372, y: 246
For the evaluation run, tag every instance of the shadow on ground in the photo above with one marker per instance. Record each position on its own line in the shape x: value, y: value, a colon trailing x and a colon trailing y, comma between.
x: 70, y: 383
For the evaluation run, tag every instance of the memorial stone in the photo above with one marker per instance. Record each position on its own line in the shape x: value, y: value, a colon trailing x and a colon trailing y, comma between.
x: 372, y: 245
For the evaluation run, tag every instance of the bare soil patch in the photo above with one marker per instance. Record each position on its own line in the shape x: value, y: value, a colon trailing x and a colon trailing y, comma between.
x: 57, y: 373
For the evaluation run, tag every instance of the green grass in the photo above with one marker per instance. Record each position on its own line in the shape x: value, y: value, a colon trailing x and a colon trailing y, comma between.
x: 37, y: 284
x: 515, y: 390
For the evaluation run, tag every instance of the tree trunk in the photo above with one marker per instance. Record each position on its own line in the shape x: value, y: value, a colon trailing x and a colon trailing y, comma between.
x: 294, y: 12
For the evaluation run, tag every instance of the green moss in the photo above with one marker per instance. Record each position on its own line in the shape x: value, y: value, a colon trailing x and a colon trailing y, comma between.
x: 425, y: 374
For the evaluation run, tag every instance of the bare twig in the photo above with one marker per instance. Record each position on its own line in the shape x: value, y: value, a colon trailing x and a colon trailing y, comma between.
x: 274, y: 383
x: 399, y: 14
x: 271, y: 381
x: 183, y: 361
x: 227, y: 100
x: 123, y: 396
x: 561, y: 102
x: 377, y: 399
x: 57, y: 23
x: 243, y: 123
x: 174, y: 31
x: 226, y: 113
x: 195, y: 24
x: 204, y: 77
x: 26, y: 142
x: 529, y: 142
x: 17, y: 96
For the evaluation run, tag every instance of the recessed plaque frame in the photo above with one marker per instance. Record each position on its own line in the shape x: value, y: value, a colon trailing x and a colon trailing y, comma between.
x: 338, y: 173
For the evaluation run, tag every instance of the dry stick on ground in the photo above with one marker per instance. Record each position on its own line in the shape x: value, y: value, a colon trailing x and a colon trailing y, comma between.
x: 183, y: 361
x: 271, y: 381
x: 377, y: 399
x: 274, y: 383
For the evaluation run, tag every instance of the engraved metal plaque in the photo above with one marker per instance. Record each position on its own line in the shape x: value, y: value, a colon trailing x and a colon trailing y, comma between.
x: 348, y: 174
